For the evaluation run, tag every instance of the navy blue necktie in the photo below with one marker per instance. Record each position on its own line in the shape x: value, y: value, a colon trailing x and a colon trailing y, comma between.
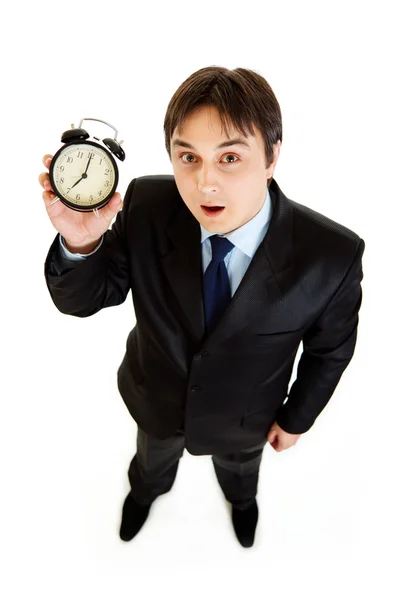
x: 216, y: 286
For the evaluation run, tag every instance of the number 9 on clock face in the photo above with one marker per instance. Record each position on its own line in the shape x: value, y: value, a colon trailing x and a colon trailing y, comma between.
x: 83, y: 175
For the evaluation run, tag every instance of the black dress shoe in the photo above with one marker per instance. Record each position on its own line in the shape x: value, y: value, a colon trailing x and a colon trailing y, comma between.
x: 244, y: 523
x: 133, y: 517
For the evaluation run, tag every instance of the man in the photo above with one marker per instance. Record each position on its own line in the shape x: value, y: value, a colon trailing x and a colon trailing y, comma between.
x: 228, y: 277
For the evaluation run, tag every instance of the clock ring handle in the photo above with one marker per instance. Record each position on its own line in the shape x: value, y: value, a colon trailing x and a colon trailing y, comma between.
x: 100, y: 121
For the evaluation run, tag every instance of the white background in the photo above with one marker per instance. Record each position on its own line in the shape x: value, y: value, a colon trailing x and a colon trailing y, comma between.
x: 328, y: 524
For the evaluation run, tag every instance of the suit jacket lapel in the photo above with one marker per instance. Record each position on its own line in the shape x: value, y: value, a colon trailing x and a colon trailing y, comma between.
x: 261, y: 285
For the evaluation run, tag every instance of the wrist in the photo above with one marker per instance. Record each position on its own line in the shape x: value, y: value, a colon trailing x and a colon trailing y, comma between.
x: 81, y: 249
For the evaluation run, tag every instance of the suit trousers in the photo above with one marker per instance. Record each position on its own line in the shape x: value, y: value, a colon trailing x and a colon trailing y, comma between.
x: 153, y: 469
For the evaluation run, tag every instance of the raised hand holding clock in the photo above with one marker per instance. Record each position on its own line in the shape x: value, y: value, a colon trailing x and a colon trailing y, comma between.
x: 83, y: 226
x: 81, y: 231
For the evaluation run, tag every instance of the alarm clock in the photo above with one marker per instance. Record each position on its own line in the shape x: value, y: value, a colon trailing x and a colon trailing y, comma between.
x: 83, y: 173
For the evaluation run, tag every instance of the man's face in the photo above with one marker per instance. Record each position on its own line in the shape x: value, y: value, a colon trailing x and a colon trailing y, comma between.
x: 233, y: 176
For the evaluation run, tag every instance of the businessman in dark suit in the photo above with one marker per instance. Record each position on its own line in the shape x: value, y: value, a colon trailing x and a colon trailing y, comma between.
x: 228, y: 277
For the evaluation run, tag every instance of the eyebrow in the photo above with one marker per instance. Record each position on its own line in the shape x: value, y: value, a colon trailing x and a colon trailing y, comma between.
x: 179, y: 142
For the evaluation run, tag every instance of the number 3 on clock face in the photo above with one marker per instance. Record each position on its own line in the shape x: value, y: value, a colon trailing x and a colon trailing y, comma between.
x: 83, y: 175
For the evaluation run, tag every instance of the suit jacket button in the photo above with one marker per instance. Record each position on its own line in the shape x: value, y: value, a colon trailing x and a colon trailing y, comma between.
x: 195, y: 388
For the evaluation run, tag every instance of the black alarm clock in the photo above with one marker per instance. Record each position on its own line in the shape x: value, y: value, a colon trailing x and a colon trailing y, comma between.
x: 83, y: 173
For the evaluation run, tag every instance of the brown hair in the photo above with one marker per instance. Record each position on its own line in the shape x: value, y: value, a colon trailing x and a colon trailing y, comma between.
x: 242, y: 97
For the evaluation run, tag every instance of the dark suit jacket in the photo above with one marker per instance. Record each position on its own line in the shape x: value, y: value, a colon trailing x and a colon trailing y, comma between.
x: 302, y: 285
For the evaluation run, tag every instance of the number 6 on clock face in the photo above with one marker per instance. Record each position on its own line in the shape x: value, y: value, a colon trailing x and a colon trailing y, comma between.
x: 83, y: 175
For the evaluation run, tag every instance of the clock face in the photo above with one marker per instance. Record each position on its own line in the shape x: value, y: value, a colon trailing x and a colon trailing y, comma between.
x: 84, y: 175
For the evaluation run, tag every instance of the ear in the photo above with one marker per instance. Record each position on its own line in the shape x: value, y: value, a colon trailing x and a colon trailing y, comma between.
x: 269, y: 171
x: 277, y: 149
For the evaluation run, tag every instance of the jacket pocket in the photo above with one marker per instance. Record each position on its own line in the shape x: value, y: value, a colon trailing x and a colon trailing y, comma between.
x: 279, y: 336
x: 257, y: 421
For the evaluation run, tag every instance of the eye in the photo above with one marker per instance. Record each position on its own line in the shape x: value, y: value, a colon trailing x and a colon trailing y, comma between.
x: 186, y: 154
x: 234, y: 156
x: 226, y: 155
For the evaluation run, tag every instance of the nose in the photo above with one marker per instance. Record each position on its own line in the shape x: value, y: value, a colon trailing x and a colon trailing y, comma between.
x: 207, y: 189
x: 207, y: 183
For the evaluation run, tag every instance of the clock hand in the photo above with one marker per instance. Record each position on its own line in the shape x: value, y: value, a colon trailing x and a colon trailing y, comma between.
x: 84, y: 176
x: 87, y: 166
x: 77, y: 183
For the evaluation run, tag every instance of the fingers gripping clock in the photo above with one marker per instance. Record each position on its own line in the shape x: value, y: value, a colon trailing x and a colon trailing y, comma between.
x: 83, y: 173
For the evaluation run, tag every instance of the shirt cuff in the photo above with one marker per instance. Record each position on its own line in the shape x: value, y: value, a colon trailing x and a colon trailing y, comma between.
x: 76, y: 255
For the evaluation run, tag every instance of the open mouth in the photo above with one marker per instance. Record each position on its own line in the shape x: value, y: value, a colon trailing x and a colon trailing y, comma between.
x: 212, y: 211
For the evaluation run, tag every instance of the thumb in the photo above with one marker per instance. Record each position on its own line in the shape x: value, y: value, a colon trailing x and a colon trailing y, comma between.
x: 115, y: 203
x: 109, y: 211
x: 271, y: 436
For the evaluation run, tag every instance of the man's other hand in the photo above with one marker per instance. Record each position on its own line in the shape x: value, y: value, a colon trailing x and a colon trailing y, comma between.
x: 280, y: 439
